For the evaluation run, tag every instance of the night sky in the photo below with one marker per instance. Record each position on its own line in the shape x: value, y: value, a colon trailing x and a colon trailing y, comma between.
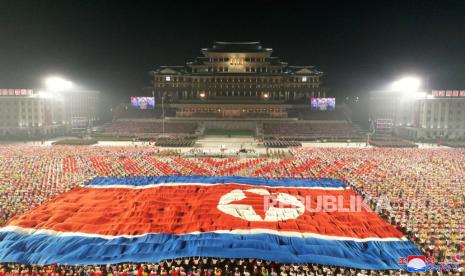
x: 111, y: 46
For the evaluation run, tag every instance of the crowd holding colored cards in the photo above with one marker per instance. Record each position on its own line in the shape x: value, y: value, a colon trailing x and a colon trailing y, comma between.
x: 425, y: 188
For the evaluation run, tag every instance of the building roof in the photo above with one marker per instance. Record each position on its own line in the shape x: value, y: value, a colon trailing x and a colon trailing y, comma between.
x: 275, y: 61
x: 239, y: 47
x: 302, y: 67
x: 303, y: 70
x: 198, y: 61
x: 169, y: 70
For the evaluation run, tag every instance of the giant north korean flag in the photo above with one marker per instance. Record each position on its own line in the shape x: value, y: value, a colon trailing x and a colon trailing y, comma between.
x: 148, y: 219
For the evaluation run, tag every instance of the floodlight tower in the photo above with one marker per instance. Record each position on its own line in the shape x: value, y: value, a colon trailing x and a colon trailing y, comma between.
x: 58, y: 84
x: 55, y: 86
x: 407, y: 90
x: 406, y: 85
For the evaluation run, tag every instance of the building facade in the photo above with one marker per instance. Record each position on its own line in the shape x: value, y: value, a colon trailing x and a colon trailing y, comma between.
x: 28, y: 113
x: 235, y: 73
x: 438, y: 118
x: 430, y: 116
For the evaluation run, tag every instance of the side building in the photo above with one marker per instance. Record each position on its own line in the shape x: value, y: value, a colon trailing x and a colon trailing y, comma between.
x: 25, y: 113
x: 438, y: 115
x: 29, y: 113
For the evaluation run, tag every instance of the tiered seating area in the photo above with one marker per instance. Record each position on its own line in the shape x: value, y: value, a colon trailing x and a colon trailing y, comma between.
x: 334, y: 115
x: 310, y: 130
x: 141, y: 127
x: 424, y: 188
x: 174, y: 142
x: 147, y: 113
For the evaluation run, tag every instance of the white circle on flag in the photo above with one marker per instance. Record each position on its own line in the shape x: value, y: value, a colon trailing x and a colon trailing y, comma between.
x: 277, y: 210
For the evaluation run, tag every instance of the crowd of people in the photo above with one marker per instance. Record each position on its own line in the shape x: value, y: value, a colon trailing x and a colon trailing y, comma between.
x: 193, y: 266
x: 453, y: 144
x: 174, y: 142
x: 389, y: 141
x: 276, y: 143
x: 425, y: 188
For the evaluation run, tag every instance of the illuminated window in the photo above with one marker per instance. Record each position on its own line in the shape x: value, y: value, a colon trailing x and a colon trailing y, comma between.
x: 304, y: 79
x: 167, y: 78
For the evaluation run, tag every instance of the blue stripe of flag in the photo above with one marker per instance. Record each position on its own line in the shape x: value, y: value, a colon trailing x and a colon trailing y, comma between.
x: 258, y: 181
x: 77, y: 250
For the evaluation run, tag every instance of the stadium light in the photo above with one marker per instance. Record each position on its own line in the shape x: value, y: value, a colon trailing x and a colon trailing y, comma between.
x: 406, y: 84
x: 58, y: 84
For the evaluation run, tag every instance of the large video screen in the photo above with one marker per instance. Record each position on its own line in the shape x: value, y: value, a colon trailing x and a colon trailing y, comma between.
x: 323, y: 103
x: 143, y: 102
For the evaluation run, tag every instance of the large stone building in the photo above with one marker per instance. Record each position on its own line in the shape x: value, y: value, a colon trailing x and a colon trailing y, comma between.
x: 437, y: 118
x: 236, y: 79
x: 27, y: 113
x: 438, y: 115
